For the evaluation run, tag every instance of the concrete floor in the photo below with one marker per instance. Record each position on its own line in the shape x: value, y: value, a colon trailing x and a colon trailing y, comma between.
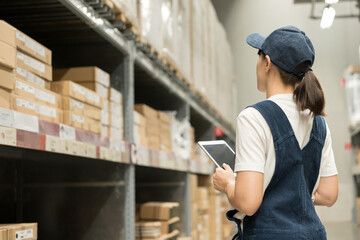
x: 342, y: 231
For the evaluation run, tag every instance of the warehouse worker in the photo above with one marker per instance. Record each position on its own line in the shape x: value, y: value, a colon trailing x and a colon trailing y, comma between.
x: 284, y: 160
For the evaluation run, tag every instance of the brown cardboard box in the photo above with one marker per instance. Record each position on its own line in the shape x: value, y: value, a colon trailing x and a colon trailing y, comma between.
x: 48, y: 97
x: 7, y: 78
x: 116, y: 121
x: 193, y: 187
x: 96, y: 87
x: 139, y: 119
x: 33, y: 65
x: 32, y: 47
x: 49, y: 113
x: 69, y: 89
x: 114, y: 96
x: 146, y: 111
x: 73, y: 120
x: 30, y: 77
x: 92, y: 112
x: 116, y: 133
x: 164, y: 118
x: 7, y: 33
x: 203, y: 201
x: 24, y: 89
x: 73, y: 105
x: 22, y: 104
x: 5, y: 98
x: 357, y: 157
x: 159, y: 210
x: 20, y: 231
x: 92, y: 125
x: 3, y: 234
x: 7, y: 56
x: 116, y: 108
x: 83, y: 74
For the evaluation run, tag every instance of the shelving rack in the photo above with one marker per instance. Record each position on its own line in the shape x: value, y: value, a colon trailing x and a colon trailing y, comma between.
x: 94, y: 197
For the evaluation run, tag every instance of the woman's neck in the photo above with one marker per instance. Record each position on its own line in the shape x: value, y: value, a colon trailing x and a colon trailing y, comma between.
x: 276, y: 86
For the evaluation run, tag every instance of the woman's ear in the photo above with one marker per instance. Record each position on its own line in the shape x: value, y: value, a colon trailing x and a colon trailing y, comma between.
x: 268, y: 63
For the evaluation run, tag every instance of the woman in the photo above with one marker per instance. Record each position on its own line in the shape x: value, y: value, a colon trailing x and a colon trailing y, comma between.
x: 284, y: 160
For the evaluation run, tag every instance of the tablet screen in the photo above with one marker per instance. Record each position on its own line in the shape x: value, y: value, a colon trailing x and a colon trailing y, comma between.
x: 219, y: 152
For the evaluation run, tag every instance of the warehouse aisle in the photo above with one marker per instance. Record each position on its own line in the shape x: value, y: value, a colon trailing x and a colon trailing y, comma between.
x: 342, y: 230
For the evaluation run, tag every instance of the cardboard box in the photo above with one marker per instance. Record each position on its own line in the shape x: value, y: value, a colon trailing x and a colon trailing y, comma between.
x: 139, y: 119
x: 22, y: 104
x: 32, y: 47
x: 92, y: 112
x: 20, y: 231
x: 7, y: 56
x: 104, y: 130
x: 116, y: 121
x: 92, y: 125
x: 48, y: 97
x: 32, y: 65
x: 116, y: 133
x: 5, y: 98
x: 7, y: 78
x: 73, y: 120
x: 115, y: 96
x: 73, y: 105
x: 24, y: 89
x: 97, y: 88
x: 30, y: 77
x: 147, y: 112
x: 203, y: 196
x: 105, y: 118
x: 116, y: 109
x: 7, y: 33
x: 49, y: 113
x: 83, y: 74
x: 69, y: 89
x: 159, y: 210
x: 164, y: 118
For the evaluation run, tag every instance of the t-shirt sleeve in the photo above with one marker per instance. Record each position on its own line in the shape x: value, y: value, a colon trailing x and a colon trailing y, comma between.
x: 328, y: 166
x: 250, y: 142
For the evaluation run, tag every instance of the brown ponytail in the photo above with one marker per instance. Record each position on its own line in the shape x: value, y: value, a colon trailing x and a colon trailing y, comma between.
x: 308, y: 93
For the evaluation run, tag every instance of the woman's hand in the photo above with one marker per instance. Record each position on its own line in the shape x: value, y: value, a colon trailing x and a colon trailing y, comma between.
x: 223, y: 178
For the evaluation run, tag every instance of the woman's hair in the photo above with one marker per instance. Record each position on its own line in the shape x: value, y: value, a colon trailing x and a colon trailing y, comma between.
x: 308, y: 93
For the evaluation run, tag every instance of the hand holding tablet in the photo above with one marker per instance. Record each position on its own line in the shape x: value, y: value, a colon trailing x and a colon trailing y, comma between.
x: 219, y: 152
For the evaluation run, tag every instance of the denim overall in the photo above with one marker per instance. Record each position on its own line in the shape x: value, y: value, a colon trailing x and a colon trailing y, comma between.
x: 287, y: 211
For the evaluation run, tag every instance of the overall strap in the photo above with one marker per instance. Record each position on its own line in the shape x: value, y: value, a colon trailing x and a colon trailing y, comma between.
x: 276, y: 119
x: 319, y: 130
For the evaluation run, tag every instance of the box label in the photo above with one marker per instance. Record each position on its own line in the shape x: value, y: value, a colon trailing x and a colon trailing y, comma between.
x: 46, y: 111
x: 76, y: 104
x: 102, y: 91
x: 26, y: 122
x: 102, y: 77
x: 6, y: 117
x: 21, y: 72
x: 25, y: 87
x: 76, y: 118
x: 8, y: 136
x: 25, y: 104
x: 67, y: 132
x: 52, y: 144
x: 45, y: 96
x: 32, y: 62
x: 31, y: 77
x: 25, y: 234
x: 78, y: 89
x: 92, y: 97
x: 30, y: 43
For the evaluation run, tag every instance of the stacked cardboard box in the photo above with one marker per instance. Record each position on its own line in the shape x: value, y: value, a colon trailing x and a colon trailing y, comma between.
x: 357, y: 155
x: 94, y: 79
x: 140, y: 137
x: 165, y: 132
x: 17, y: 231
x: 116, y: 122
x: 152, y: 125
x: 158, y: 221
x: 81, y: 106
x: 25, y: 75
x: 208, y: 209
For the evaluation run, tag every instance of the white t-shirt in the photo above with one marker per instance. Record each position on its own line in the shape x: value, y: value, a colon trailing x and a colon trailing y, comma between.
x: 255, y: 147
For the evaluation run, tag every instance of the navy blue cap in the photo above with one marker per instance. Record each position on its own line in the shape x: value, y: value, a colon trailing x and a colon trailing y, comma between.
x: 287, y: 47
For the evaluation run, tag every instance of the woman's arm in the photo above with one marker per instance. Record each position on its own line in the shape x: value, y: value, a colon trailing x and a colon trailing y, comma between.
x: 245, y: 193
x: 327, y: 192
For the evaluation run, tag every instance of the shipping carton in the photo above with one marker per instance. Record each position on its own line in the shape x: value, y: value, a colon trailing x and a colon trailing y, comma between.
x: 5, y: 98
x: 69, y: 89
x: 73, y: 120
x: 114, y: 96
x: 73, y: 105
x: 20, y: 231
x: 159, y: 210
x: 7, y: 78
x: 33, y: 65
x: 146, y: 111
x: 96, y: 87
x: 92, y: 125
x: 164, y: 118
x: 22, y: 104
x: 49, y: 113
x: 32, y: 47
x: 24, y: 89
x: 7, y: 56
x: 83, y: 74
x: 48, y: 97
x: 30, y: 77
x: 7, y: 33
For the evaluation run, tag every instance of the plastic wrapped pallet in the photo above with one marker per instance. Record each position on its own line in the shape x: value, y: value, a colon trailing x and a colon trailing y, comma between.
x: 150, y: 22
x: 183, y: 36
x: 129, y: 9
x: 169, y: 34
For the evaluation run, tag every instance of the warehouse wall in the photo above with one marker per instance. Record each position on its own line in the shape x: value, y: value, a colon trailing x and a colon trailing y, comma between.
x: 336, y: 48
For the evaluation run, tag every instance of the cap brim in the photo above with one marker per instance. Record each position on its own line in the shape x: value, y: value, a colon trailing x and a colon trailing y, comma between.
x: 255, y: 40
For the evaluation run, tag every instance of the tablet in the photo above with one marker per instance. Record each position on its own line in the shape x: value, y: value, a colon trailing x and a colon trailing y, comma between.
x: 219, y: 152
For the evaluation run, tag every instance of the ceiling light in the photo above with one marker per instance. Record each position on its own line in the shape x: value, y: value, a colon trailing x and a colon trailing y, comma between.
x: 327, y: 17
x: 331, y: 1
